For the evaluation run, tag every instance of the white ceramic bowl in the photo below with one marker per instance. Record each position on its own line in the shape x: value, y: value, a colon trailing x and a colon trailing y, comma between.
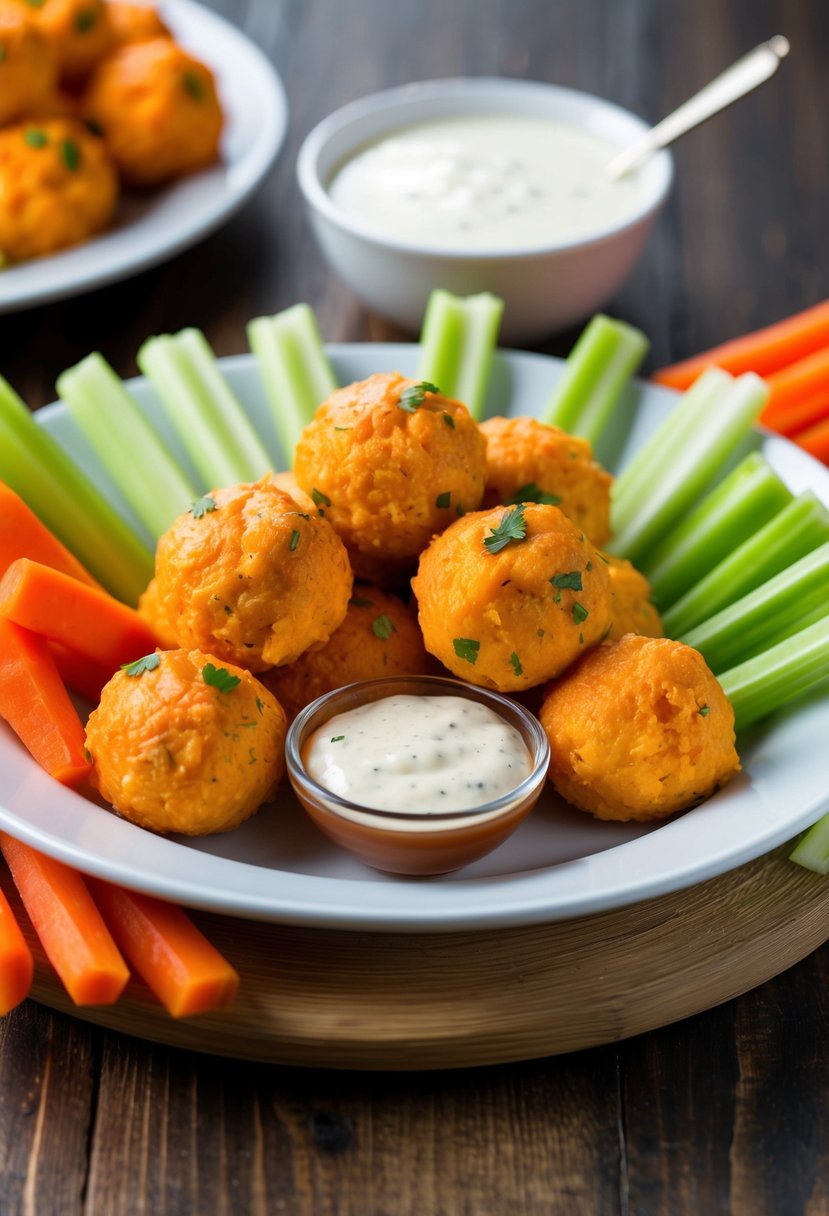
x: 545, y: 289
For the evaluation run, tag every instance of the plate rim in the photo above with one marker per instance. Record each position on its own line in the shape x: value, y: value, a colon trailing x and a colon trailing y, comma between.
x: 272, y: 133
x: 421, y: 914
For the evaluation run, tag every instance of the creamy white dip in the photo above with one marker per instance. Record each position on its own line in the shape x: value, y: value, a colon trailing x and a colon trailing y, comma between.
x: 424, y: 754
x: 485, y: 183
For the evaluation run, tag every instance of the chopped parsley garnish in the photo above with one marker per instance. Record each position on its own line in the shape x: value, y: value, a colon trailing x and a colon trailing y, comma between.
x: 383, y: 626
x: 320, y: 499
x: 601, y: 555
x: 444, y: 499
x: 415, y: 395
x: 512, y: 527
x: 467, y: 649
x: 359, y: 601
x: 539, y: 633
x: 294, y: 541
x: 2, y: 53
x: 567, y: 582
x: 449, y: 420
x: 337, y: 738
x: 35, y: 3
x: 194, y: 85
x: 515, y: 662
x: 260, y: 704
x: 532, y: 493
x: 580, y: 613
x: 71, y: 154
x: 589, y: 567
x: 85, y: 20
x: 148, y: 663
x: 704, y: 711
x: 219, y: 677
x: 203, y: 506
x: 35, y: 137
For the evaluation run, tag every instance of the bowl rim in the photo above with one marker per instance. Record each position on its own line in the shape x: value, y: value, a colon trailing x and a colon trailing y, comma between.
x: 393, y: 102
x: 336, y: 804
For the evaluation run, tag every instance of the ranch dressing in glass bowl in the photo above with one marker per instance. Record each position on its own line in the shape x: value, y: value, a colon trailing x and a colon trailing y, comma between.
x: 485, y: 182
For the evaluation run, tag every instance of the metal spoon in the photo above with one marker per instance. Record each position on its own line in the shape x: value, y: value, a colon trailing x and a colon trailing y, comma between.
x: 743, y: 76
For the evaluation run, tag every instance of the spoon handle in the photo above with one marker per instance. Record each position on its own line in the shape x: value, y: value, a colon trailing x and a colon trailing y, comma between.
x: 743, y: 76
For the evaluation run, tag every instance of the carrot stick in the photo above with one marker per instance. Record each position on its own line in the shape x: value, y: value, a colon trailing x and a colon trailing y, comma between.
x: 36, y: 705
x: 175, y: 960
x: 23, y: 535
x: 84, y: 619
x: 16, y: 962
x: 765, y: 351
x: 83, y: 676
x: 70, y: 927
x: 816, y: 440
x: 799, y: 394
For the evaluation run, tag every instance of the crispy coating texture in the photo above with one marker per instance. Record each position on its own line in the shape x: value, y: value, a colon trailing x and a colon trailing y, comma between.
x: 385, y: 469
x: 379, y: 637
x: 79, y: 32
x: 175, y: 754
x: 135, y: 22
x: 57, y: 187
x: 639, y: 729
x: 255, y: 581
x: 527, y: 628
x: 28, y: 67
x: 157, y: 109
x: 522, y: 451
x: 149, y: 607
x: 633, y: 611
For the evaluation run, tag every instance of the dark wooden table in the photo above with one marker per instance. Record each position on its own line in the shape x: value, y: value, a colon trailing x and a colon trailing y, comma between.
x: 727, y: 1112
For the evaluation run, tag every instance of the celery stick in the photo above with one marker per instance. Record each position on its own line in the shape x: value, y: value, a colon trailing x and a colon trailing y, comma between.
x: 597, y: 370
x: 766, y: 615
x: 295, y: 370
x: 214, y: 428
x: 457, y: 342
x: 812, y: 850
x: 795, y: 531
x: 39, y: 470
x: 152, y: 482
x: 745, y: 500
x: 764, y: 683
x: 632, y: 486
x: 690, y: 466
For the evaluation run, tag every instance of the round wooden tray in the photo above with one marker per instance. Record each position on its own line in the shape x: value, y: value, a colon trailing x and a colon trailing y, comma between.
x: 412, y: 1001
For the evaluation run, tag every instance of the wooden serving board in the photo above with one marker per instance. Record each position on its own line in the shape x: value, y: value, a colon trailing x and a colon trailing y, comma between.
x: 341, y: 999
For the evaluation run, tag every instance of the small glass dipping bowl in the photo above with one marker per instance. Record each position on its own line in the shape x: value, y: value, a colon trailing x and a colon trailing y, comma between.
x: 407, y: 842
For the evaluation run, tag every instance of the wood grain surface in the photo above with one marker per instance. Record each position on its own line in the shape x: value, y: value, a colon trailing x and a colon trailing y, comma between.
x: 727, y: 1112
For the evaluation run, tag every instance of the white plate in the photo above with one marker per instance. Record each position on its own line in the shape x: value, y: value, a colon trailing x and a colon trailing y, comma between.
x: 149, y: 228
x: 559, y: 864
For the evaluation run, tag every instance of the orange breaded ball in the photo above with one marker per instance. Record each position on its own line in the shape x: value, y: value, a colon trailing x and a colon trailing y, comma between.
x: 379, y: 637
x: 57, y: 187
x: 527, y: 459
x: 135, y: 22
x: 391, y: 463
x: 78, y: 31
x: 157, y: 110
x: 631, y: 607
x: 149, y: 608
x: 639, y: 729
x: 186, y: 745
x: 248, y: 576
x: 28, y: 68
x: 511, y: 615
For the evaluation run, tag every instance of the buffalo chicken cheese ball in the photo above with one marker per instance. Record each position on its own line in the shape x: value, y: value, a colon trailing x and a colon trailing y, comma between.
x: 57, y: 187
x: 391, y: 462
x: 379, y: 637
x: 639, y: 729
x: 509, y: 598
x: 528, y: 461
x: 157, y: 110
x: 632, y: 609
x: 248, y: 576
x: 181, y: 744
x: 28, y: 68
x: 79, y: 32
